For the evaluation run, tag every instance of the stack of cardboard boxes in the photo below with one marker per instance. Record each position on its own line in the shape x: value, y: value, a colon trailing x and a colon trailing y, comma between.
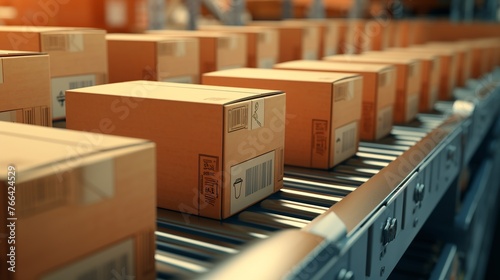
x: 220, y: 147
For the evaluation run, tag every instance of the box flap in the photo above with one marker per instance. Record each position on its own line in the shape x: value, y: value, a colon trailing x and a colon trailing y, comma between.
x: 191, y: 33
x: 144, y: 38
x: 393, y: 60
x: 46, y: 29
x: 335, y: 66
x: 29, y: 147
x: 11, y: 53
x: 178, y: 92
x: 418, y: 55
x: 288, y: 75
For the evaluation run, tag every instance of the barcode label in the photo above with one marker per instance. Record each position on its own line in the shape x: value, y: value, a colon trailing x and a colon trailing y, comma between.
x: 58, y: 90
x: 8, y: 116
x: 345, y: 142
x: 29, y: 116
x: 309, y: 55
x: 344, y: 91
x: 43, y: 194
x: 259, y: 177
x: 382, y: 79
x: 177, y: 48
x: 265, y: 37
x: 180, y: 79
x: 237, y: 118
x: 411, y: 107
x: 45, y: 118
x: 54, y: 42
x: 252, y: 180
x: 384, y: 121
x: 411, y: 70
x: 229, y: 42
x: 266, y: 62
x: 81, y: 84
x: 116, y: 262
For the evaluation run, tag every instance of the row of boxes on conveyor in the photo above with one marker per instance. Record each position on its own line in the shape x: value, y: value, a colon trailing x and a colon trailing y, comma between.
x: 218, y: 147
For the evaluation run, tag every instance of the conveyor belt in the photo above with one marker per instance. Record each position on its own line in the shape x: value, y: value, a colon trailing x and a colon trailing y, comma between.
x: 189, y: 245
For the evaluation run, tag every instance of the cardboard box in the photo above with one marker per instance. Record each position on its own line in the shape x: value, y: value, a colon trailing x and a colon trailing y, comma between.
x: 297, y: 40
x: 111, y: 15
x: 213, y: 143
x: 78, y: 56
x: 25, y: 88
x: 262, y: 43
x: 323, y: 111
x: 79, y: 203
x: 357, y: 39
x: 431, y: 71
x: 329, y: 34
x: 379, y: 92
x: 448, y: 62
x: 480, y: 57
x: 156, y: 58
x: 412, y: 32
x: 218, y: 50
x: 408, y: 81
x: 378, y: 33
x: 464, y: 59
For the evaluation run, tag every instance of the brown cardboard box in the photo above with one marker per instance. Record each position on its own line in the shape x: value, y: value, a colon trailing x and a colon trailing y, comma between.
x: 157, y: 58
x: 25, y: 88
x: 480, y: 57
x: 342, y: 28
x: 411, y: 32
x: 78, y: 56
x: 357, y: 39
x: 379, y: 92
x: 323, y: 111
x: 431, y: 71
x: 112, y: 15
x: 408, y: 81
x: 464, y: 59
x: 262, y: 43
x: 449, y: 70
x: 329, y: 33
x: 297, y: 40
x: 212, y: 142
x: 218, y: 50
x: 79, y: 203
x: 378, y: 33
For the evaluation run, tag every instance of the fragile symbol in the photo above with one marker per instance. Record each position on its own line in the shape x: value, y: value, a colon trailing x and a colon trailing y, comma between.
x: 61, y: 98
x: 238, y: 183
x: 255, y: 116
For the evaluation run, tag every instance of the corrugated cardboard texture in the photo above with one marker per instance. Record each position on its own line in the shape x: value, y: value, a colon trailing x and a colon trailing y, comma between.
x: 146, y: 57
x: 379, y: 93
x: 314, y: 109
x: 65, y: 181
x: 195, y: 147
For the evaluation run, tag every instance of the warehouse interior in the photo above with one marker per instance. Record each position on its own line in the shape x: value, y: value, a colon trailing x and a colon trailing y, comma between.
x: 249, y: 139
